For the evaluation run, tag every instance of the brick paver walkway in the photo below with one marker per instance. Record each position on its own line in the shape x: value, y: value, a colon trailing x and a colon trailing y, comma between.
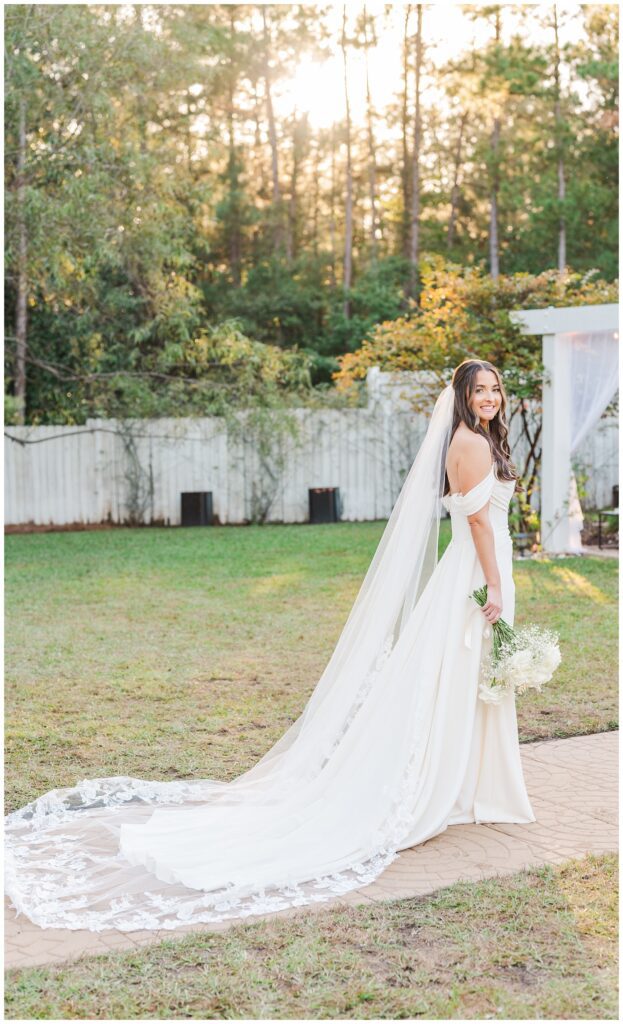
x: 573, y: 790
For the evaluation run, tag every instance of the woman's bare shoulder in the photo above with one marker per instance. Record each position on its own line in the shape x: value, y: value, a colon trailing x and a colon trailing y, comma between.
x: 468, y: 442
x: 469, y: 459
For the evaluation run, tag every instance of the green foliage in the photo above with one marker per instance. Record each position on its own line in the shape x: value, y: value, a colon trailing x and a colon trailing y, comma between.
x: 277, y: 304
x: 148, y: 202
x: 215, y: 372
x: 463, y: 314
x: 11, y: 410
x: 377, y: 295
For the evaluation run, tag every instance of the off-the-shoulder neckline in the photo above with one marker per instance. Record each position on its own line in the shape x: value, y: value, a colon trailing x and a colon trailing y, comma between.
x: 459, y: 494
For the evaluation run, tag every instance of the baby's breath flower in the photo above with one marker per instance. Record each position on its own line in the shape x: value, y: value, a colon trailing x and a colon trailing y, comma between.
x: 518, y: 659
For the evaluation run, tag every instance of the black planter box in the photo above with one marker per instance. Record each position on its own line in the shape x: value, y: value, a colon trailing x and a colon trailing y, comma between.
x: 324, y: 505
x: 197, y: 508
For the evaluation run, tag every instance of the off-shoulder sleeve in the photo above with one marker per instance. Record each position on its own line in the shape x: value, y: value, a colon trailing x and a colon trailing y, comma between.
x: 477, y: 497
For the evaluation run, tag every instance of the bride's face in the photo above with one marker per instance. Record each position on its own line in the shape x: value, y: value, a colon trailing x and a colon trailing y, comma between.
x: 486, y: 398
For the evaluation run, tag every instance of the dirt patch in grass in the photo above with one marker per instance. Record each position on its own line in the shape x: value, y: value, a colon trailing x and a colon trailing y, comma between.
x: 541, y: 944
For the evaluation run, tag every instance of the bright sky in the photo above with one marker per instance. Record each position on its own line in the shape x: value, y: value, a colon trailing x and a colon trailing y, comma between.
x: 318, y: 89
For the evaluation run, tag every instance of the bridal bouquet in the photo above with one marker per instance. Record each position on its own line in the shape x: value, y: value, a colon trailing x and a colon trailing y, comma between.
x: 519, y: 658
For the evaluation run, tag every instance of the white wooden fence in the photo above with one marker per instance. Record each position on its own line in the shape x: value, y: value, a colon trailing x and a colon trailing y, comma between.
x: 108, y: 471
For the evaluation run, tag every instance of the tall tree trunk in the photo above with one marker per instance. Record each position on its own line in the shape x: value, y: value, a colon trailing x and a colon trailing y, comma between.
x: 260, y: 176
x: 235, y: 246
x: 272, y: 136
x: 454, y: 197
x: 22, y: 270
x: 406, y: 169
x: 562, y: 228
x: 414, y: 235
x: 316, y: 197
x: 494, y: 245
x: 292, y: 237
x: 233, y: 226
x: 140, y: 100
x: 348, y: 230
x: 371, y: 146
x: 189, y: 134
x: 332, y: 224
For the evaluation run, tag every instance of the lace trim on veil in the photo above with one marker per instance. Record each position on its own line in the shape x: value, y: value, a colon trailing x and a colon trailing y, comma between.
x: 48, y: 883
x: 63, y: 863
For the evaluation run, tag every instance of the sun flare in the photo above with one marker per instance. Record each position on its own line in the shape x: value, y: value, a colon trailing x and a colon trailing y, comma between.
x: 315, y: 89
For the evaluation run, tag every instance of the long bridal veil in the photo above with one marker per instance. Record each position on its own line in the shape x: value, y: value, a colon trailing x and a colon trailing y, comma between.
x: 322, y: 812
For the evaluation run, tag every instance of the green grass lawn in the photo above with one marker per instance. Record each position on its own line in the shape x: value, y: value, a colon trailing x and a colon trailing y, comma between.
x: 541, y: 944
x: 167, y: 653
x: 186, y: 652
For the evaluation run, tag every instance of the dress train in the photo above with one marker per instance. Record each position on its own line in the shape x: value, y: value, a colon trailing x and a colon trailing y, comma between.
x: 325, y: 815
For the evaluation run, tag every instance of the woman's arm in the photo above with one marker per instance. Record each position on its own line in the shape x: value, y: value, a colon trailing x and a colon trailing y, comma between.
x: 474, y: 464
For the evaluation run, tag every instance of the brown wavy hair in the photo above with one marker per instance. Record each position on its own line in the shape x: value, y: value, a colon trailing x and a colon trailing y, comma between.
x: 464, y: 384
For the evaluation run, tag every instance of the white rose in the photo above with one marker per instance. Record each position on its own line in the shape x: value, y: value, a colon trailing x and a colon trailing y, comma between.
x: 551, y: 659
x: 521, y: 660
x: 518, y: 666
x: 492, y: 694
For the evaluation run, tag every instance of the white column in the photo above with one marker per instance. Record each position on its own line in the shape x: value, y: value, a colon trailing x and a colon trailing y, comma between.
x: 556, y: 447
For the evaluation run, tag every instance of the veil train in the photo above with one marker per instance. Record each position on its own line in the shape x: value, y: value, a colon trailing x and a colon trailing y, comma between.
x: 324, y: 811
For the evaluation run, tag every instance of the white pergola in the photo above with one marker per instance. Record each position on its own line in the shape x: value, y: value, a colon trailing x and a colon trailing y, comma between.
x: 580, y: 358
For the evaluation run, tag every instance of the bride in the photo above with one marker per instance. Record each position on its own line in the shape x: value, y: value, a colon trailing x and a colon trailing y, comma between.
x: 391, y: 748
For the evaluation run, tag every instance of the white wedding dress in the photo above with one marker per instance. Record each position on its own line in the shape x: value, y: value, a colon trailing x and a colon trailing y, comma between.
x: 378, y: 762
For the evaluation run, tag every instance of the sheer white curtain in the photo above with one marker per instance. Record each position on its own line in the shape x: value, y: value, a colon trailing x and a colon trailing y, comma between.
x: 594, y: 374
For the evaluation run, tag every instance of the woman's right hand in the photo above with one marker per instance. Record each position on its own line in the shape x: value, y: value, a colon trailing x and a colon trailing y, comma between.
x: 492, y: 610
